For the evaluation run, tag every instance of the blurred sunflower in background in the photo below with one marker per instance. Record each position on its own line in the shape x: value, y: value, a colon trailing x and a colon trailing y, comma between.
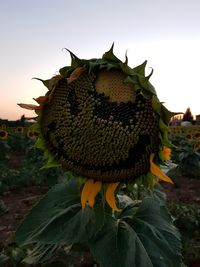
x: 197, y: 146
x: 3, y: 127
x: 32, y: 134
x: 19, y: 129
x: 102, y: 120
x: 188, y: 137
x: 197, y: 135
x: 4, y: 135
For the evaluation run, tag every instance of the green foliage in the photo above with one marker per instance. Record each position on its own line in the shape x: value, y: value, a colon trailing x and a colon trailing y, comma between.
x: 3, y: 207
x: 12, y: 257
x: 3, y: 259
x: 21, y: 165
x: 186, y: 157
x: 4, y: 148
x: 18, y: 142
x: 141, y: 235
x: 187, y: 220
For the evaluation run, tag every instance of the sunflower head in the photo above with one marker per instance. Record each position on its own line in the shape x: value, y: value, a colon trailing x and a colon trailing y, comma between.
x: 32, y: 134
x: 19, y: 129
x: 3, y: 126
x: 3, y: 135
x: 197, y: 135
x: 102, y: 120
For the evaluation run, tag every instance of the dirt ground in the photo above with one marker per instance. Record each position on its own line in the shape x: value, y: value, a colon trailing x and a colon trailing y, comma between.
x: 19, y: 201
x: 187, y: 192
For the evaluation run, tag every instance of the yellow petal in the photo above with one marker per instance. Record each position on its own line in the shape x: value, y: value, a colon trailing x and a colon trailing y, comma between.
x: 75, y: 74
x: 87, y: 189
x: 110, y: 196
x: 96, y: 187
x: 167, y: 153
x: 157, y: 171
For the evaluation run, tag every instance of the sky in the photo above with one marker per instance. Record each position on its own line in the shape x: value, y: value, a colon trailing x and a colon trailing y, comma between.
x: 34, y: 33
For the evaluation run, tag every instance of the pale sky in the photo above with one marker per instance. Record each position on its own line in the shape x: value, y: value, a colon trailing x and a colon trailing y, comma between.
x: 33, y: 34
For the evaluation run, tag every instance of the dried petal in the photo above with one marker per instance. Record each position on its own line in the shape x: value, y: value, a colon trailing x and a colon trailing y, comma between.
x: 29, y: 106
x: 110, y: 196
x: 57, y: 77
x: 75, y: 74
x: 41, y: 99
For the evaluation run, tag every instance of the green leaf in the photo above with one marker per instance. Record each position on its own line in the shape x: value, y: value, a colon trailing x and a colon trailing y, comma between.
x: 117, y: 245
x: 167, y: 115
x: 40, y: 253
x: 39, y: 143
x: 145, y: 239
x: 126, y: 69
x: 17, y: 255
x: 157, y: 194
x: 58, y: 218
x: 75, y: 61
x: 59, y: 197
x: 156, y: 104
x: 142, y: 235
x: 3, y: 259
x: 51, y: 163
x: 157, y: 233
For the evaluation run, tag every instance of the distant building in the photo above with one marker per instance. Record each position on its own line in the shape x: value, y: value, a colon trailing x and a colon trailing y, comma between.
x: 198, y: 119
x: 177, y: 121
x: 186, y: 123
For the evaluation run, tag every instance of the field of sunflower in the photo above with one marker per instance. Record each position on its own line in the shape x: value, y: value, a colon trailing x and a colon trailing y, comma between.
x: 98, y: 145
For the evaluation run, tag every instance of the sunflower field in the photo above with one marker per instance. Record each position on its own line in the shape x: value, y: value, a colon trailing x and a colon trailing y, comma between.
x: 99, y: 174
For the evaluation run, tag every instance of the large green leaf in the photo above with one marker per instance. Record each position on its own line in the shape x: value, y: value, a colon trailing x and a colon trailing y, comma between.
x: 118, y: 245
x: 145, y: 239
x: 142, y: 235
x: 58, y: 218
x: 159, y: 236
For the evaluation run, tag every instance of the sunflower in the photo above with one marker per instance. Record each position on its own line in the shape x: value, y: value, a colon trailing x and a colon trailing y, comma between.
x: 32, y: 134
x: 3, y: 126
x: 19, y: 129
x: 197, y: 135
x: 197, y: 146
x: 3, y: 135
x: 188, y: 137
x: 102, y: 120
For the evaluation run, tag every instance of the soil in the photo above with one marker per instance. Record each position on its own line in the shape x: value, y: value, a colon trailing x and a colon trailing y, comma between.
x: 19, y: 201
x: 187, y: 191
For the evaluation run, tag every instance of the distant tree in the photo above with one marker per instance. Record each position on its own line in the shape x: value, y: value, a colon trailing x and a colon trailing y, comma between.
x: 22, y: 120
x: 188, y: 115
